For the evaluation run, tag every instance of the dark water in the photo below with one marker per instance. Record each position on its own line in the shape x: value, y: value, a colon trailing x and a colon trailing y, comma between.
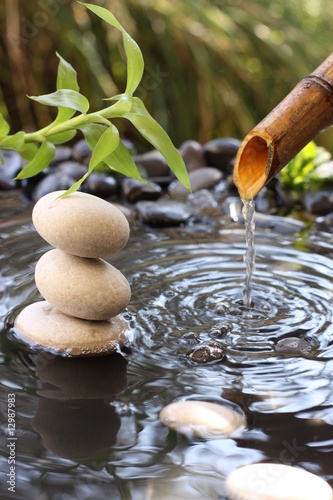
x: 89, y: 428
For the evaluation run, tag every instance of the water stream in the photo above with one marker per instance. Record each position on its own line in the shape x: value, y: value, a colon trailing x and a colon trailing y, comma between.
x: 89, y: 428
x: 249, y: 258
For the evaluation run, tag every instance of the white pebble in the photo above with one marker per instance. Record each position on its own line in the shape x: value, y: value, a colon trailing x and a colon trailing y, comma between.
x: 201, y: 418
x: 276, y: 482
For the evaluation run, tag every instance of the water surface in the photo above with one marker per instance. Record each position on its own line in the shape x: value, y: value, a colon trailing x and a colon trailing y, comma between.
x: 89, y: 428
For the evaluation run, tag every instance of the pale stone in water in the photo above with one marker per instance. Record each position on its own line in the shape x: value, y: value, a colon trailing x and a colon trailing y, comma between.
x: 201, y: 418
x: 80, y: 224
x: 276, y: 482
x: 89, y: 289
x: 44, y: 326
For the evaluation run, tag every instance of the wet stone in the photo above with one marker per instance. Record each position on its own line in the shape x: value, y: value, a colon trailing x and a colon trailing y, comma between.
x: 232, y: 207
x: 6, y: 184
x: 153, y: 163
x: 164, y: 213
x: 189, y: 338
x: 318, y: 203
x: 294, y: 345
x: 50, y: 183
x: 265, y: 202
x: 72, y: 169
x: 101, y: 185
x: 202, y: 199
x: 193, y: 155
x: 327, y: 220
x: 134, y: 190
x: 206, y: 353
x: 219, y: 152
x: 62, y: 153
x: 201, y: 178
x: 12, y: 164
x: 81, y: 150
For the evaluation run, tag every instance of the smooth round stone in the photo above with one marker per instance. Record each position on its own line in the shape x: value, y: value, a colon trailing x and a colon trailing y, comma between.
x: 202, y: 419
x: 85, y: 288
x: 201, y: 178
x: 80, y: 224
x: 276, y: 482
x: 44, y: 326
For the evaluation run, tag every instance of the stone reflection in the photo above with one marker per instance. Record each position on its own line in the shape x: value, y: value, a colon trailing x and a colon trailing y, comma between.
x: 74, y: 417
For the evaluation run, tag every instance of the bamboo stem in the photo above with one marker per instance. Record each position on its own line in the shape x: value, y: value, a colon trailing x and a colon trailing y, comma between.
x: 300, y: 117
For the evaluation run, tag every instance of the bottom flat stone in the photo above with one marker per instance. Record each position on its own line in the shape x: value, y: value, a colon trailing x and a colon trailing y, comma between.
x: 42, y: 325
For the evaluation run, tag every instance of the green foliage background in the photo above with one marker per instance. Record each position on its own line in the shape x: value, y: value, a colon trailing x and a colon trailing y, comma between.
x: 212, y: 68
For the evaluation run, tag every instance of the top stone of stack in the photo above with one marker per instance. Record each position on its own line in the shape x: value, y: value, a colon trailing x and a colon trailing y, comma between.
x: 80, y: 224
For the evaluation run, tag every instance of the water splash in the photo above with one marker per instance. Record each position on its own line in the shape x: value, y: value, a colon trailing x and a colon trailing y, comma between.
x: 249, y: 257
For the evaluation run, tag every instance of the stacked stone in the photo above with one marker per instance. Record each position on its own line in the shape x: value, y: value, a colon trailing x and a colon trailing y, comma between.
x: 84, y: 295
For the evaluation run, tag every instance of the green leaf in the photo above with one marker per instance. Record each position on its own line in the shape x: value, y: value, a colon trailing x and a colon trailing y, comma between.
x: 43, y: 157
x: 66, y: 79
x: 135, y: 64
x: 92, y: 133
x: 28, y: 151
x: 121, y: 161
x: 62, y: 137
x: 15, y: 141
x: 106, y: 144
x: 121, y: 107
x: 4, y: 126
x: 154, y: 133
x: 66, y: 76
x: 66, y: 98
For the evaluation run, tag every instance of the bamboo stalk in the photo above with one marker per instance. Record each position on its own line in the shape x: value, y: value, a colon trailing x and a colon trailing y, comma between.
x: 300, y: 117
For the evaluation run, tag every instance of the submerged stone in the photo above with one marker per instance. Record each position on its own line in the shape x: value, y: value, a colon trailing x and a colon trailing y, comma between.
x: 85, y: 288
x: 206, y: 353
x: 202, y: 419
x: 294, y: 345
x: 276, y: 482
x: 80, y: 224
x: 42, y: 325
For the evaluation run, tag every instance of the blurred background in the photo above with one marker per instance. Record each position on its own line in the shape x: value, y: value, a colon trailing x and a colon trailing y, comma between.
x: 212, y: 68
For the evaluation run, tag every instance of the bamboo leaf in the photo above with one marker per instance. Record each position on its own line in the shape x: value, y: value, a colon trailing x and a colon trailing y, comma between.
x: 66, y: 79
x: 62, y: 136
x: 4, y: 126
x: 135, y: 64
x: 66, y: 98
x: 121, y: 161
x: 92, y: 133
x: 28, y: 151
x: 15, y: 141
x: 154, y: 133
x: 42, y: 158
x: 66, y: 76
x: 121, y: 107
x: 106, y: 144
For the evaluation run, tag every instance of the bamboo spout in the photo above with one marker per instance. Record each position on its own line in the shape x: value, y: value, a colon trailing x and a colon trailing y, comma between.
x: 299, y: 118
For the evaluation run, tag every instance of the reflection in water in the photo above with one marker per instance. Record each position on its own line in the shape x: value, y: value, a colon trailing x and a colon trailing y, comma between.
x: 96, y: 432
x: 74, y: 416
